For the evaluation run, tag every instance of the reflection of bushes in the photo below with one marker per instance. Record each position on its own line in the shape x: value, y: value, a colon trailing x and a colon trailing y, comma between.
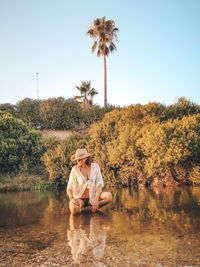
x: 196, y: 195
x: 56, y: 209
x: 16, y: 207
x: 155, y: 207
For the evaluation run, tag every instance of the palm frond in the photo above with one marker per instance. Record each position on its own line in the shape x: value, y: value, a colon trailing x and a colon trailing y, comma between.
x: 106, y: 51
x: 115, y: 29
x: 86, y: 92
x: 104, y: 33
x: 99, y: 52
x: 94, y: 46
x: 77, y: 87
x: 90, y: 32
x: 112, y: 47
x: 93, y: 92
x: 78, y: 97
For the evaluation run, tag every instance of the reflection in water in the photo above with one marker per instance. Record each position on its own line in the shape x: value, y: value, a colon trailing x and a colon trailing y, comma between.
x: 21, y: 208
x: 87, y: 237
x: 176, y: 209
x: 155, y: 227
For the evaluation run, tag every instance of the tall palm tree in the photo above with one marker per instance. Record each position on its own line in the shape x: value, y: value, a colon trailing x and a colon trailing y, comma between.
x: 104, y: 34
x: 87, y: 93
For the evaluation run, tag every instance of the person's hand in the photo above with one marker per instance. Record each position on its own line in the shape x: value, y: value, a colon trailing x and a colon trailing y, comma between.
x: 75, y: 201
x: 95, y: 206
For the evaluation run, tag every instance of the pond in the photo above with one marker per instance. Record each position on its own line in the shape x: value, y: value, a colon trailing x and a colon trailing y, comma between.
x: 145, y: 227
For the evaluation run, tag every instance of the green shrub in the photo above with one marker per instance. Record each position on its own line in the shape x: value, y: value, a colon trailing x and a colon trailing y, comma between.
x: 28, y: 110
x: 59, y: 113
x: 21, y: 148
x: 8, y: 108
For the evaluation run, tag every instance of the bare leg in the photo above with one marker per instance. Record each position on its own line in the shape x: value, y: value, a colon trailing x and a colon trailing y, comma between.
x: 75, y: 206
x: 105, y: 198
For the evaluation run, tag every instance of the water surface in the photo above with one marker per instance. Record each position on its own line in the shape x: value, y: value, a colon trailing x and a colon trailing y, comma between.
x: 151, y: 227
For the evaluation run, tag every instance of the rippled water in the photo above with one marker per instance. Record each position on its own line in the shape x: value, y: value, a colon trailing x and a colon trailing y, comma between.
x: 140, y: 228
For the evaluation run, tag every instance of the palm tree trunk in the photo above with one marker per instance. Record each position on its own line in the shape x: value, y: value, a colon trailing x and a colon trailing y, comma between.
x: 105, y: 83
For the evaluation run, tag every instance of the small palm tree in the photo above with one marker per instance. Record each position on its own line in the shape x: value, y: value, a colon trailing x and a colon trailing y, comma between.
x: 104, y: 33
x: 87, y: 94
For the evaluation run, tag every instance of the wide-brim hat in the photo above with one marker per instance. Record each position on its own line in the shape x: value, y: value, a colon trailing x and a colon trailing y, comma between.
x: 80, y: 154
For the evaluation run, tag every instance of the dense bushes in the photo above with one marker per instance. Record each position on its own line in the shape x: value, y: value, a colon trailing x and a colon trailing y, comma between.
x: 28, y: 111
x: 182, y: 108
x: 21, y: 148
x: 173, y: 146
x: 55, y: 113
x: 139, y: 143
x: 57, y: 157
x: 55, y: 162
x: 58, y: 113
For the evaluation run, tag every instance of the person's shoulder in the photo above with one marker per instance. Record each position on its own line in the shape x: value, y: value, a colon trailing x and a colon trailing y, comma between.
x: 96, y: 165
x: 75, y: 168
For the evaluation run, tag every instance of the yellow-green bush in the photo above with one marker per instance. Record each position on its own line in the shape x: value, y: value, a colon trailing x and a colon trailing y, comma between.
x: 55, y: 162
x: 57, y: 158
x: 142, y: 142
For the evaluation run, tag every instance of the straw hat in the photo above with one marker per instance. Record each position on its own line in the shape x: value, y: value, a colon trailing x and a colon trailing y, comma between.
x: 80, y: 154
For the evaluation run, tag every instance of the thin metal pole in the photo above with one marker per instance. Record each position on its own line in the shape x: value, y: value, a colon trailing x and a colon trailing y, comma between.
x: 37, y: 73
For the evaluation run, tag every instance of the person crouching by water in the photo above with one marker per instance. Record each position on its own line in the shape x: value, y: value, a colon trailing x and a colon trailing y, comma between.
x: 85, y: 184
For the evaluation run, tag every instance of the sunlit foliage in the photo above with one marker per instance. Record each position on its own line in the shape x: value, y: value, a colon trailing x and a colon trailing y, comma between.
x: 139, y: 143
x: 54, y: 160
x: 57, y: 158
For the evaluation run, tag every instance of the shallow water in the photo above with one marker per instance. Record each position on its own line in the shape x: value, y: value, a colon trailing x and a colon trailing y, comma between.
x: 140, y: 228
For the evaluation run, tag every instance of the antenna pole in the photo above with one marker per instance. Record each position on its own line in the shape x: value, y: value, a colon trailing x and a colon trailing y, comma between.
x: 37, y: 73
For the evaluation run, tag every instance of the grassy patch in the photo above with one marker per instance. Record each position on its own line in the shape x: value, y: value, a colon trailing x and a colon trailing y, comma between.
x: 25, y: 182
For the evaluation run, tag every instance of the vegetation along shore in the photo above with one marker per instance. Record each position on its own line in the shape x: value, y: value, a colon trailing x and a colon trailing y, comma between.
x: 138, y: 145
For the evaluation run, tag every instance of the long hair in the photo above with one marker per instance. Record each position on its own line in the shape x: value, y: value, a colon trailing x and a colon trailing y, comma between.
x: 88, y: 161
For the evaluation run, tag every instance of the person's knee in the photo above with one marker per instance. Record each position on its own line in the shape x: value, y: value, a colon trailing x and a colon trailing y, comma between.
x: 74, y: 208
x: 109, y: 197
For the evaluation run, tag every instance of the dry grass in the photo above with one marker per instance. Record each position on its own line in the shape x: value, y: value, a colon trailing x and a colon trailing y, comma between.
x: 22, y: 182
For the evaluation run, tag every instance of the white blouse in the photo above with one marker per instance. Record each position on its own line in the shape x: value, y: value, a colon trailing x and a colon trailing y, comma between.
x: 78, y: 182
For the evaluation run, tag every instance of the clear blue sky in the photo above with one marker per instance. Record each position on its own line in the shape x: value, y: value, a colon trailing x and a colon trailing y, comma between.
x: 157, y: 57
